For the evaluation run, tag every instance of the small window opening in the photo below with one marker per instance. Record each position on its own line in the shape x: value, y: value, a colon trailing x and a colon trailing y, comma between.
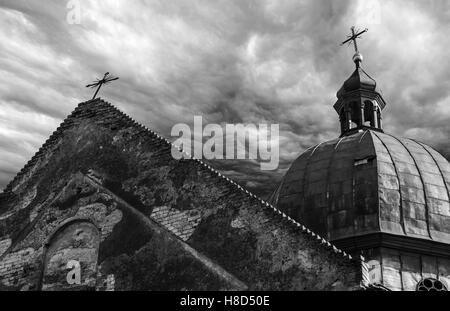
x: 366, y: 160
x: 431, y: 285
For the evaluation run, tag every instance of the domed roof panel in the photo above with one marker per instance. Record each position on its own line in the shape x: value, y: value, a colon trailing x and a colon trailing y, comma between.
x: 318, y: 189
x: 441, y: 162
x: 370, y: 182
x: 424, y: 198
x: 402, y: 203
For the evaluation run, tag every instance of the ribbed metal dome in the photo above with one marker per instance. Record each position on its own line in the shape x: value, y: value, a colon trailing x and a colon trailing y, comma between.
x: 369, y: 182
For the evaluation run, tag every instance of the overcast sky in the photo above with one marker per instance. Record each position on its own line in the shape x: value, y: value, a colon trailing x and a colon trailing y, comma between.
x: 274, y: 61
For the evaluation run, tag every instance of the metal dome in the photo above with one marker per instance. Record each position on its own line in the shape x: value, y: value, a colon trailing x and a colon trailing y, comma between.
x: 370, y: 182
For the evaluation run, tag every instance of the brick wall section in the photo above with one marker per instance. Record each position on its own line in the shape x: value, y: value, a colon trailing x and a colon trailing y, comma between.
x: 15, y: 267
x: 245, y: 235
x: 182, y: 224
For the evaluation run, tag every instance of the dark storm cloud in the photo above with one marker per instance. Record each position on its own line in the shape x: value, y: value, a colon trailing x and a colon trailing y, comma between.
x: 235, y: 61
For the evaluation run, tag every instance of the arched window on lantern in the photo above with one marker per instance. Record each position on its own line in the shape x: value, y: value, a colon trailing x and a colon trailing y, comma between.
x: 355, y: 114
x: 368, y: 113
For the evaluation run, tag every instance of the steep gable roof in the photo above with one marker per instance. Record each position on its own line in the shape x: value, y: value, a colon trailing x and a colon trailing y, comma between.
x: 186, y: 226
x: 82, y: 110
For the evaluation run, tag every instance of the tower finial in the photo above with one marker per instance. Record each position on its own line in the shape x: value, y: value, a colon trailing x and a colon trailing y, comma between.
x: 357, y: 58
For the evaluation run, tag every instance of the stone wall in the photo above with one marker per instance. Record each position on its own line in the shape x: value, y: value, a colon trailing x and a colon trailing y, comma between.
x: 116, y: 246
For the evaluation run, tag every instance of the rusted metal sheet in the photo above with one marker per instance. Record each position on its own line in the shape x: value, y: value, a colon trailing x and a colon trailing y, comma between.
x: 440, y: 207
x: 414, y: 210
x: 388, y: 181
x: 386, y: 168
x: 433, y: 179
x: 409, y: 180
x: 415, y: 227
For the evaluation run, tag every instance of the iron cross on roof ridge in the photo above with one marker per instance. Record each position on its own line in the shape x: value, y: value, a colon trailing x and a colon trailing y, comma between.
x: 107, y: 78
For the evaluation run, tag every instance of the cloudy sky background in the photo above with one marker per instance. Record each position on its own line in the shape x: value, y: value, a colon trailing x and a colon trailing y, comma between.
x: 233, y: 61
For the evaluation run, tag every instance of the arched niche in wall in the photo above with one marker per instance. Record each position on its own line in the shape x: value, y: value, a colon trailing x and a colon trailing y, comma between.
x: 70, y: 257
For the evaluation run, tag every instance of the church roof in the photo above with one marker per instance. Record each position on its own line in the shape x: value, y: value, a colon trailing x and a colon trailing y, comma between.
x: 370, y: 182
x: 188, y: 198
x: 96, y: 106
